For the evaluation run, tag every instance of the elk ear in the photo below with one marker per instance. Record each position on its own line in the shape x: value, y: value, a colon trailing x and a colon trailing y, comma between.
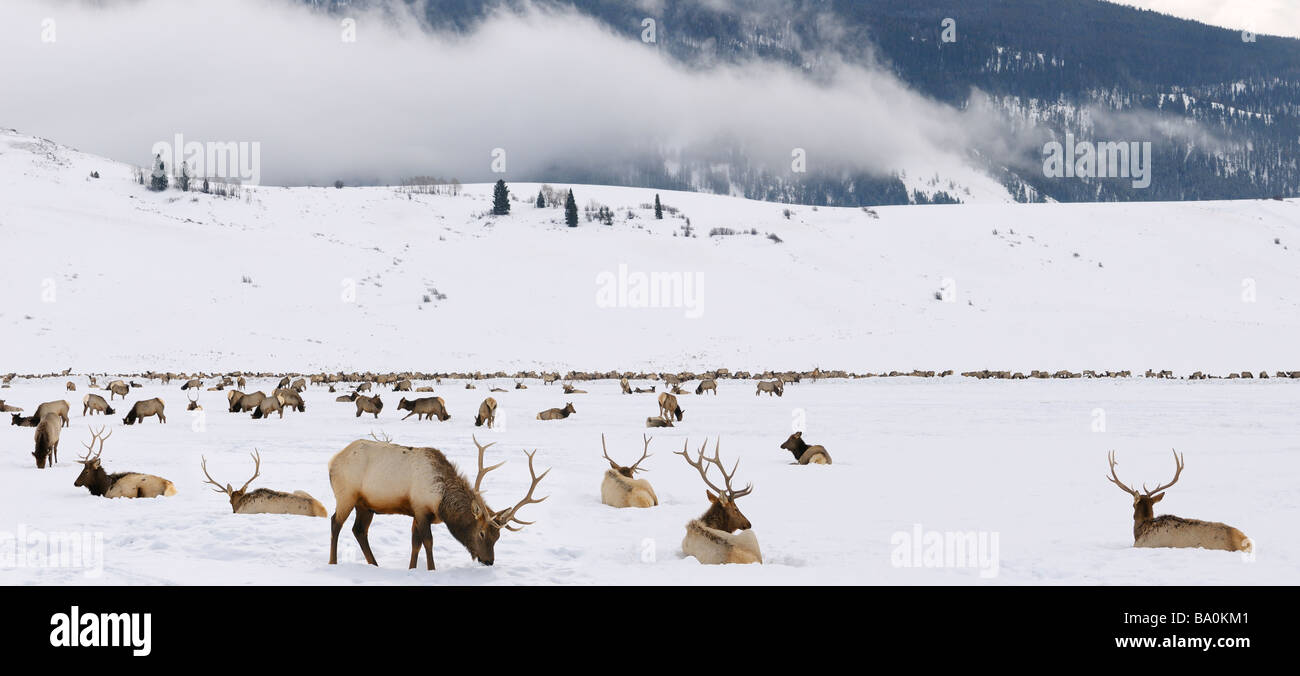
x: 712, y: 498
x: 1158, y: 498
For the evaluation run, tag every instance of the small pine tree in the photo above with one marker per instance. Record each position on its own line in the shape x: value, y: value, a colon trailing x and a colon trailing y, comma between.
x: 570, y: 211
x: 500, y: 199
x: 158, y: 180
x: 184, y: 179
x: 541, y: 201
x: 659, y: 208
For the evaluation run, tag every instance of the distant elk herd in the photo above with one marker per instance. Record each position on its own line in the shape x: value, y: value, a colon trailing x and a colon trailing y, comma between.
x: 375, y: 476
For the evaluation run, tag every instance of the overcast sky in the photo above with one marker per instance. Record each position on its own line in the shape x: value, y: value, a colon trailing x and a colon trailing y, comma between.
x: 1271, y: 17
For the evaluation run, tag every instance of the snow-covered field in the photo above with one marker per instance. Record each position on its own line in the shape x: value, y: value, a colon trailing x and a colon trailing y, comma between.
x: 1020, y: 461
x: 101, y: 275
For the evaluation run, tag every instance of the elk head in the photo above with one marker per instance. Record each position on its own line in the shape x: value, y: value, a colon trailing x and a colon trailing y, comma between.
x: 234, y: 495
x: 627, y: 471
x: 1144, y: 502
x: 722, y: 513
x: 477, y: 526
x: 92, y: 474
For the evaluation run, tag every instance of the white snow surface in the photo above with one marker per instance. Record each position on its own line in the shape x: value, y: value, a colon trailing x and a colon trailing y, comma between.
x: 1015, y: 459
x: 103, y: 275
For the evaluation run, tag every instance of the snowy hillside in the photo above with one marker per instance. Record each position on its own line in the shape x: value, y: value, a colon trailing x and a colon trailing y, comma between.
x: 101, y: 274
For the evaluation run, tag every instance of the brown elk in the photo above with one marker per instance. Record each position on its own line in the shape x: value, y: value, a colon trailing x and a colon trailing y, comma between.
x: 118, y: 388
x: 623, y: 384
x: 193, y: 384
x: 520, y: 386
x: 1168, y: 530
x: 58, y: 406
x: 24, y: 420
x: 243, y: 403
x: 120, y: 485
x: 712, y: 538
x: 6, y: 408
x: 368, y: 405
x: 424, y: 408
x: 347, y: 398
x: 284, y: 382
x: 290, y: 399
x: 487, y: 413
x: 47, y: 440
x: 659, y: 421
x: 620, y: 488
x: 143, y: 409
x: 363, y: 387
x: 708, y: 384
x: 557, y: 413
x: 668, y: 407
x: 497, y: 389
x: 402, y: 386
x: 194, y: 402
x: 71, y: 386
x: 378, y: 477
x: 95, y: 404
x: 570, y: 389
x: 771, y: 387
x: 268, y: 406
x: 805, y: 454
x: 299, y: 385
x: 265, y: 500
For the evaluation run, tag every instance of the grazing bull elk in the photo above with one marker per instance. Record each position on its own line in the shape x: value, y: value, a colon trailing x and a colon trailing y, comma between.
x: 668, y: 407
x: 378, y: 477
x: 1168, y: 530
x: 424, y: 408
x: 120, y: 485
x: 557, y: 413
x: 712, y: 538
x: 95, y: 404
x: 265, y: 500
x: 143, y: 409
x: 805, y: 454
x: 47, y: 440
x: 771, y: 387
x: 368, y: 405
x: 487, y: 413
x: 620, y: 488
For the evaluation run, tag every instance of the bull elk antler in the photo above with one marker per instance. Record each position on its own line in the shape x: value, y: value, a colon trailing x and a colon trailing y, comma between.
x: 505, y: 516
x: 729, y: 493
x: 90, y: 448
x: 227, y: 489
x: 1113, y: 478
x: 645, y: 453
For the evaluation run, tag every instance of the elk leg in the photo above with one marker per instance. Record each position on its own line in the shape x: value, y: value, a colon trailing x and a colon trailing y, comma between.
x: 416, y: 541
x: 360, y: 530
x: 428, y: 542
x: 340, y: 517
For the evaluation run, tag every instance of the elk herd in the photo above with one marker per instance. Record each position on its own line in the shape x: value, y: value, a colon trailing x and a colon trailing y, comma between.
x: 376, y: 476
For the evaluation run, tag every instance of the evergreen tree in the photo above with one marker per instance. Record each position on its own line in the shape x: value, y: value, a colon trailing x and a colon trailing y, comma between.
x: 184, y: 179
x: 541, y: 201
x: 659, y: 208
x: 500, y: 199
x: 158, y: 180
x: 570, y: 211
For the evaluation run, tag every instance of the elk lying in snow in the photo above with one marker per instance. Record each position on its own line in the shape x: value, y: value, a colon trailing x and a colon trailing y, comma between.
x: 1168, y: 530
x: 95, y: 404
x: 143, y: 409
x: 487, y: 413
x: 668, y: 407
x: 659, y: 421
x: 368, y: 405
x: 712, y: 538
x: 377, y: 477
x: 619, y: 488
x: 570, y: 389
x: 498, y: 389
x: 424, y: 408
x: 120, y: 485
x: 118, y: 388
x: 707, y: 384
x: 265, y: 500
x: 47, y: 440
x: 348, y: 398
x: 194, y: 402
x: 243, y: 403
x: 557, y: 413
x: 805, y: 454
x: 771, y: 387
x: 58, y: 406
x: 6, y: 408
x: 520, y: 386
